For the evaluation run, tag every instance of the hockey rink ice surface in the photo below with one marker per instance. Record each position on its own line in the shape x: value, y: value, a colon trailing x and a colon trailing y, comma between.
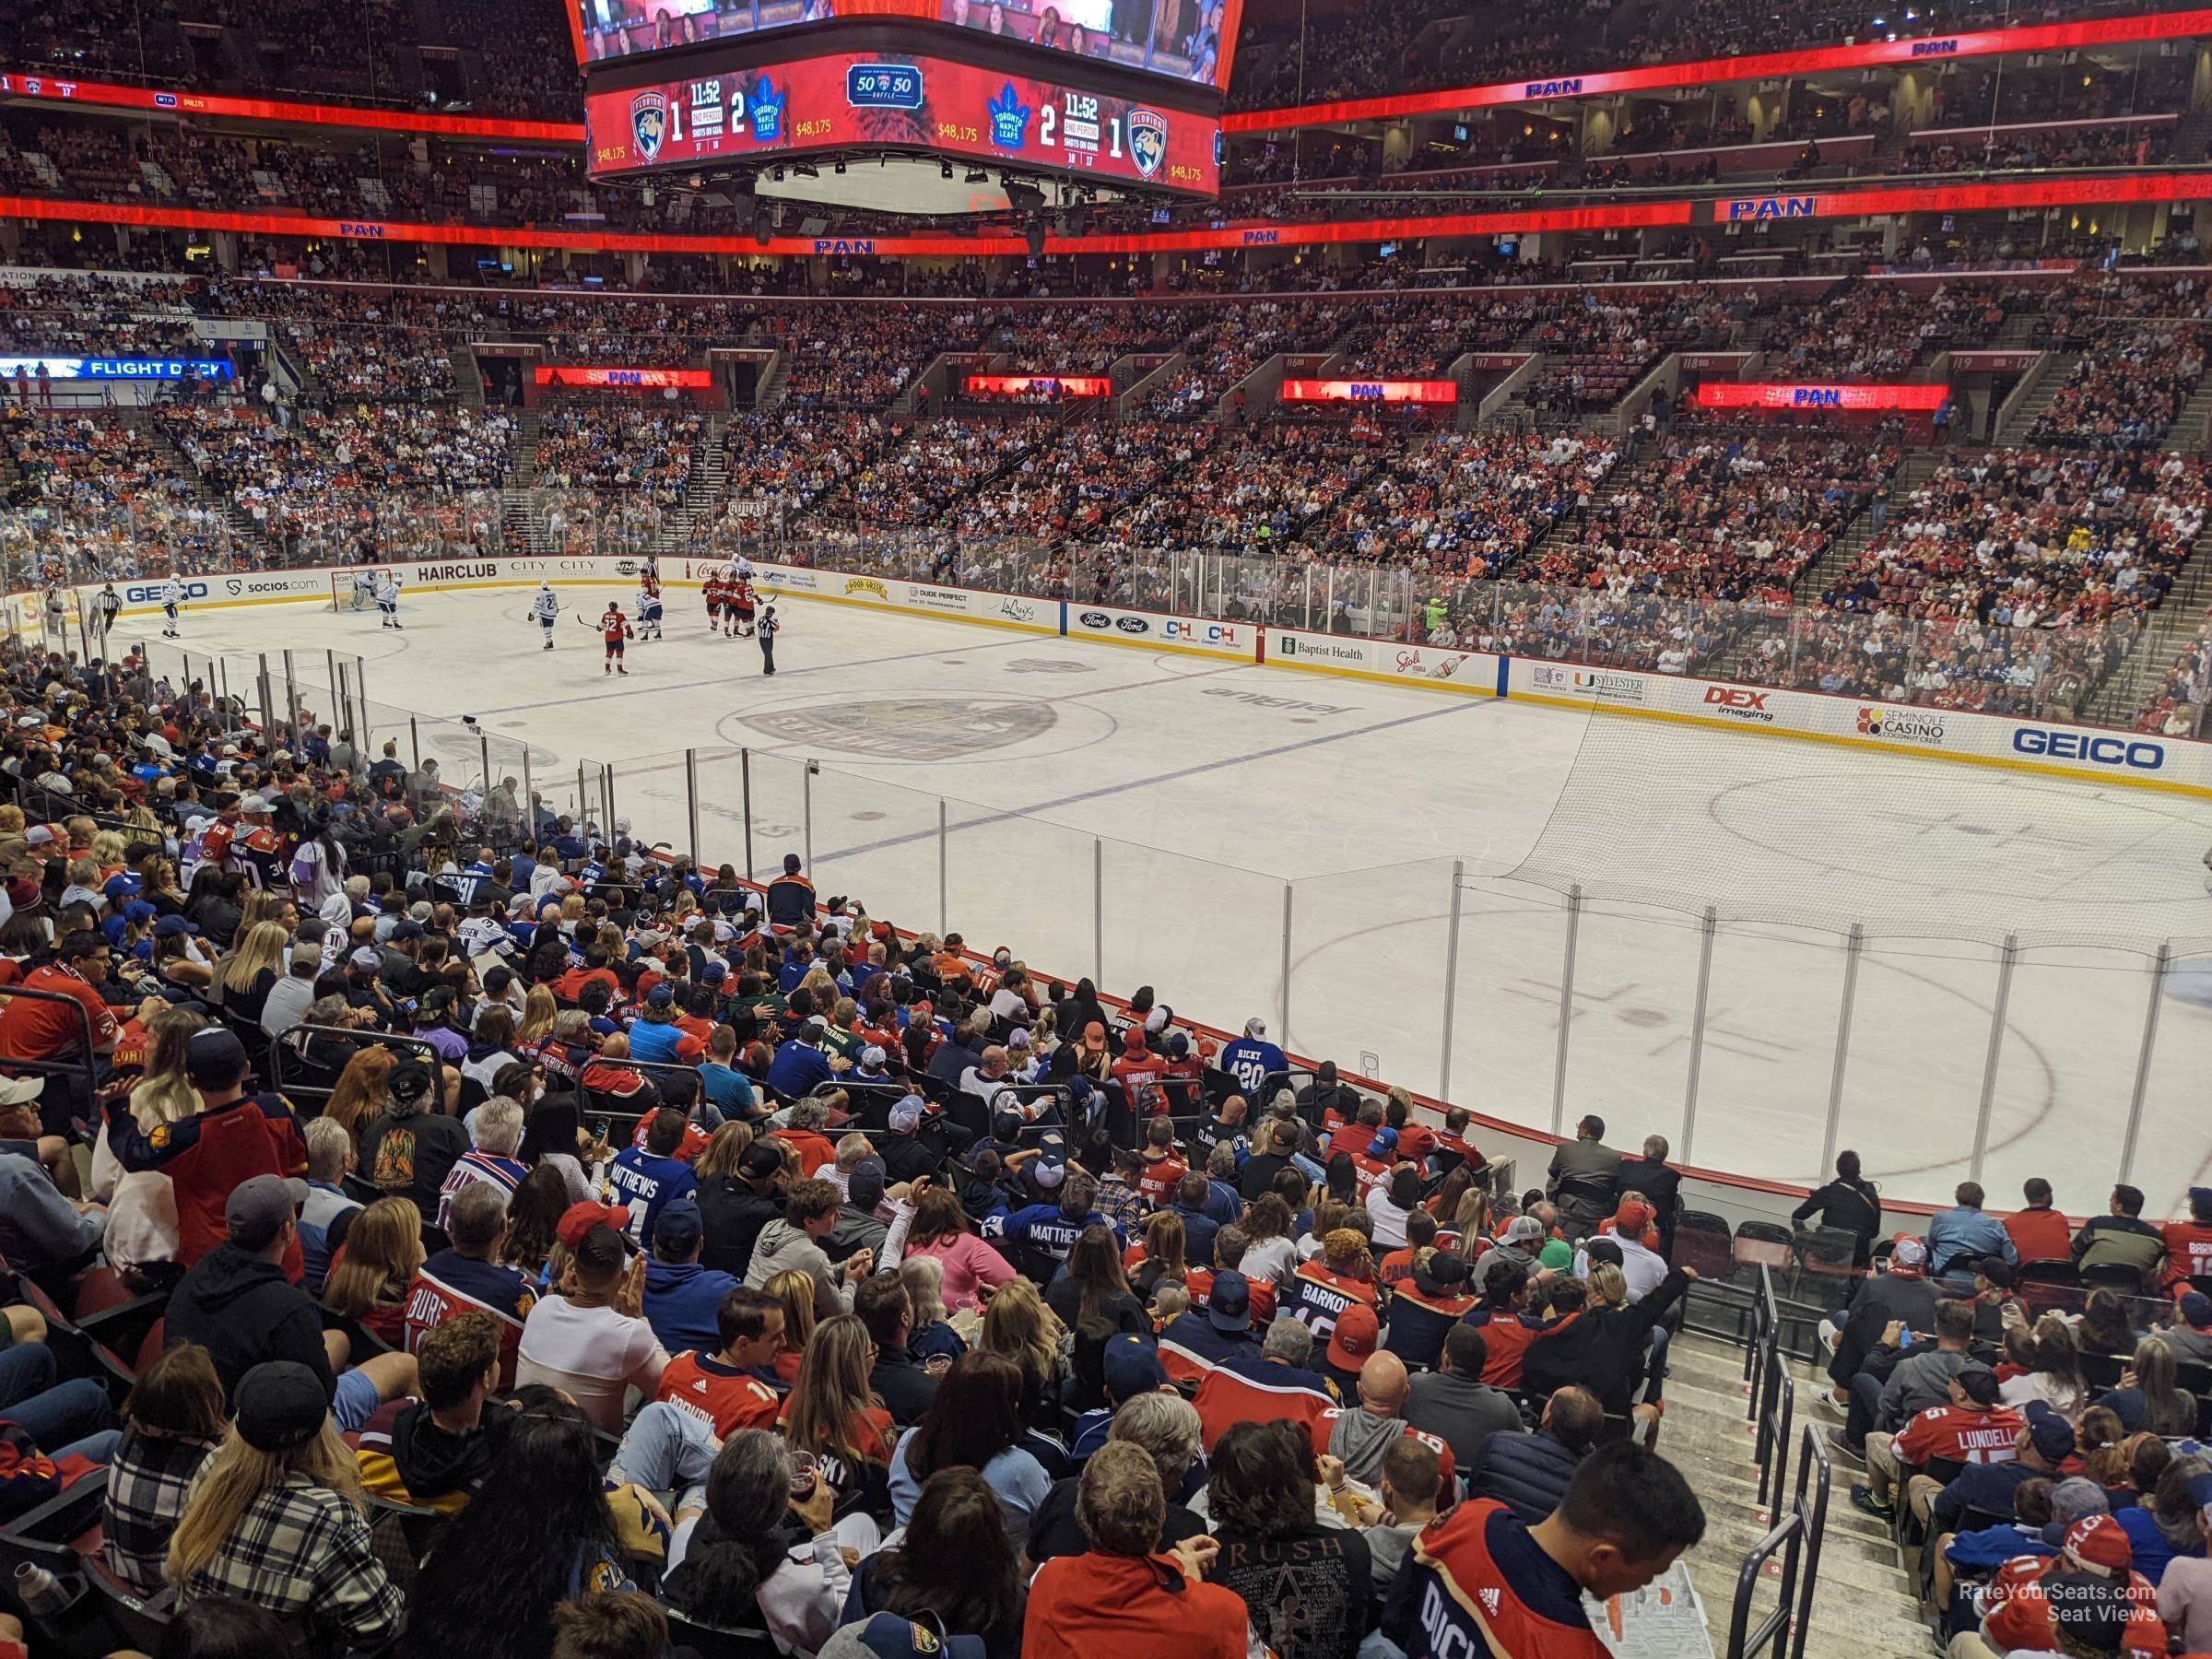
x: 1194, y: 790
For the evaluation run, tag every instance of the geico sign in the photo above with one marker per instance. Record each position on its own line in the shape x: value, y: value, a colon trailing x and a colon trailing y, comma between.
x: 2095, y: 747
x: 150, y: 592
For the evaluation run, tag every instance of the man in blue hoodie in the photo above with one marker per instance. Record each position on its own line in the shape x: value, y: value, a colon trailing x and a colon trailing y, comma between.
x: 683, y: 1299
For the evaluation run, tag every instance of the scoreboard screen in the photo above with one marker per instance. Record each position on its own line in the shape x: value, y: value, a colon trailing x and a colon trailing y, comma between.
x: 900, y: 102
x: 1190, y: 41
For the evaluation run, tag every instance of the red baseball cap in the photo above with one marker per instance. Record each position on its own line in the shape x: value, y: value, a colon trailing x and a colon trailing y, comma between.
x: 1358, y: 1334
x: 579, y: 1219
x: 2099, y: 1544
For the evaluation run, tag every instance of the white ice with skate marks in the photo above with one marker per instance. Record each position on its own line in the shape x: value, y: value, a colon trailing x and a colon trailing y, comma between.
x: 1191, y: 791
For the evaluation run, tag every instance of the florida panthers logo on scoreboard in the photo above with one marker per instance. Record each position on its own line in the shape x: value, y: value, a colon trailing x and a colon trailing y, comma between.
x: 649, y: 122
x: 1149, y: 141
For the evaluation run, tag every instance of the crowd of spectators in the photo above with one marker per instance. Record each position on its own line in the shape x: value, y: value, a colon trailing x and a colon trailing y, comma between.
x: 1470, y: 503
x: 681, y: 1255
x: 2128, y: 387
x: 1877, y: 331
x: 2124, y: 145
x: 621, y: 446
x: 2177, y: 707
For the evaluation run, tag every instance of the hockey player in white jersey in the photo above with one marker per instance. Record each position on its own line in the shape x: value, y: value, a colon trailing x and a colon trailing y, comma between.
x: 364, y: 589
x: 546, y: 607
x: 649, y: 603
x: 387, y: 597
x: 173, y: 599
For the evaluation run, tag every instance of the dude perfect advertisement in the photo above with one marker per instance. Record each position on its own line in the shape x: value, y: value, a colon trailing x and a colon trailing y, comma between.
x: 848, y: 101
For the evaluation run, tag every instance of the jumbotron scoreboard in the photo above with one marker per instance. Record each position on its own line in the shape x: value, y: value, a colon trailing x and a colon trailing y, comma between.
x: 912, y: 106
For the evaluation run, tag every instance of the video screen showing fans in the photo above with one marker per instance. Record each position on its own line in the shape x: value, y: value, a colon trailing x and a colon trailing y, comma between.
x: 1186, y: 39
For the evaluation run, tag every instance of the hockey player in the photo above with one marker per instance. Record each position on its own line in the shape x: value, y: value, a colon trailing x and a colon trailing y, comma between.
x: 614, y: 627
x: 742, y: 603
x: 364, y: 589
x: 649, y: 603
x: 711, y: 589
x: 173, y: 599
x: 766, y: 633
x: 387, y: 597
x: 546, y: 607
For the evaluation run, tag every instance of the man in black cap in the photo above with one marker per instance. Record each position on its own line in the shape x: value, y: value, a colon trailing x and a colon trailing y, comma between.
x: 1970, y: 1428
x: 409, y: 1148
x: 237, y: 1303
x: 736, y: 1207
x: 233, y: 1138
x: 2045, y: 1442
x: 1197, y: 1339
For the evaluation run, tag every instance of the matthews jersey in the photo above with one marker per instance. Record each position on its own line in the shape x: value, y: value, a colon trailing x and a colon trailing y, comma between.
x: 1044, y: 1226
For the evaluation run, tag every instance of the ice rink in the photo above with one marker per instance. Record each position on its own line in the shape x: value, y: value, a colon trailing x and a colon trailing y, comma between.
x: 1153, y: 818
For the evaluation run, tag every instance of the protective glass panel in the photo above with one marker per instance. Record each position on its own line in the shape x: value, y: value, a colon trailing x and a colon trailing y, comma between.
x: 1635, y: 999
x: 1769, y: 1050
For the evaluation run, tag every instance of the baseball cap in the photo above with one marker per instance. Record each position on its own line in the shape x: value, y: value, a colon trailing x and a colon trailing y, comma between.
x: 1632, y: 1219
x: 2050, y: 1433
x: 579, y: 1219
x: 2092, y: 1610
x: 1909, y: 1256
x: 714, y: 973
x: 281, y: 1406
x: 871, y: 1055
x: 1255, y: 1026
x: 170, y: 927
x: 660, y: 996
x: 678, y: 1232
x: 367, y: 957
x: 1384, y: 1143
x: 1996, y: 1270
x: 2098, y: 1545
x: 1131, y: 1366
x: 215, y: 1058
x: 2196, y: 1308
x: 762, y: 1160
x: 410, y: 1081
x: 1524, y: 1229
x: 20, y: 1091
x: 1228, y: 1303
x: 257, y: 1209
x: 406, y: 929
x: 1358, y: 1334
x: 906, y: 1117
x: 865, y: 1183
x: 125, y: 884
x: 1979, y: 1384
x: 1051, y: 1171
x: 138, y: 911
x: 1005, y: 1125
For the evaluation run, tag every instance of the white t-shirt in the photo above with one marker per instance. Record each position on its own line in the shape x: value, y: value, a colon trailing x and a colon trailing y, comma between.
x: 594, y: 1354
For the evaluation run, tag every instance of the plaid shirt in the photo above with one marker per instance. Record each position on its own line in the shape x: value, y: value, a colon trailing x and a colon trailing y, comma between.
x: 304, y: 1551
x: 1121, y: 1203
x: 147, y: 1484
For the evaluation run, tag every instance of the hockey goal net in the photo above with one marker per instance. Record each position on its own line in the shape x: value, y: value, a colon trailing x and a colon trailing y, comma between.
x: 345, y: 596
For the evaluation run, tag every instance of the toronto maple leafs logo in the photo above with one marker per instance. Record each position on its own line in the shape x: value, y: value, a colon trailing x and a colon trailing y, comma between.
x: 1149, y: 141
x: 764, y: 109
x: 1009, y: 119
x: 649, y: 122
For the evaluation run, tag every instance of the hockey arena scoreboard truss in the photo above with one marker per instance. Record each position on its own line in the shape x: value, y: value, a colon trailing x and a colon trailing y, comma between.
x: 854, y: 92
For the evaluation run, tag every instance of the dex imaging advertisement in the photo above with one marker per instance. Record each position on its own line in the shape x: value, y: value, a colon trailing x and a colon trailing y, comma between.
x: 849, y: 99
x: 1187, y: 40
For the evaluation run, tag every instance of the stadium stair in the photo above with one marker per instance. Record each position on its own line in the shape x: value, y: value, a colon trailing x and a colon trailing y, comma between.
x: 465, y: 379
x: 2123, y: 694
x: 2057, y: 370
x: 522, y: 449
x: 769, y: 394
x: 702, y: 495
x: 243, y: 528
x: 2192, y: 135
x: 1863, y: 1603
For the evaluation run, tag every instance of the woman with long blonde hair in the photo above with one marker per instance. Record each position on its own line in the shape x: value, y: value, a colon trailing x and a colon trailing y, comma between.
x: 370, y: 1275
x: 1018, y: 1325
x: 364, y: 1089
x: 726, y: 1150
x: 283, y: 1472
x: 794, y: 1288
x: 538, y: 1012
x: 244, y: 978
x: 832, y: 1411
x: 163, y: 1094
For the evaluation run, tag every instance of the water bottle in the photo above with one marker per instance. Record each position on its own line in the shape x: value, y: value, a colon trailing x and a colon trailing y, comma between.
x: 40, y: 1594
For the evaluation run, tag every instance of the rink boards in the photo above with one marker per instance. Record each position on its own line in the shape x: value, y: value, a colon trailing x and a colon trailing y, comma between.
x: 2131, y: 759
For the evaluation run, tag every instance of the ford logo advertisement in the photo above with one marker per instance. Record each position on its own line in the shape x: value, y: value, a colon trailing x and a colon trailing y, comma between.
x: 1133, y: 625
x: 1095, y: 619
